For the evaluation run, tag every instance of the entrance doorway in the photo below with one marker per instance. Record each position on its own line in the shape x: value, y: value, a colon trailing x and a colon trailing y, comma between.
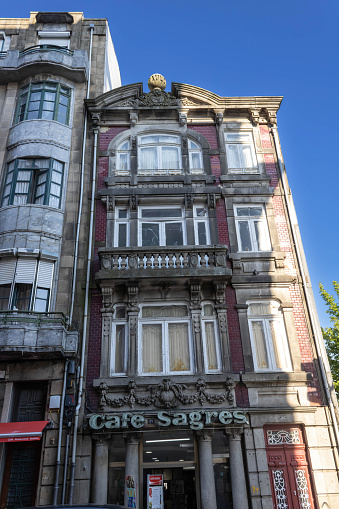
x: 179, y: 487
x: 172, y: 454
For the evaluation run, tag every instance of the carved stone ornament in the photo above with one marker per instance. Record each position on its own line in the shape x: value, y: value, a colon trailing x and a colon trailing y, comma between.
x: 156, y: 82
x: 220, y: 293
x: 189, y: 202
x: 219, y: 118
x: 211, y: 201
x: 110, y: 203
x: 195, y: 294
x: 107, y: 297
x: 133, y: 291
x: 133, y: 118
x: 255, y: 116
x: 182, y: 118
x: 272, y: 117
x: 133, y: 203
x: 166, y: 394
x: 96, y: 119
x: 106, y: 262
x: 155, y: 98
x: 185, y: 101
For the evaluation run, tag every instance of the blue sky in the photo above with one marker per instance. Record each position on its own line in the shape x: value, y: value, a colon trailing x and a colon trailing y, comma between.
x: 247, y: 48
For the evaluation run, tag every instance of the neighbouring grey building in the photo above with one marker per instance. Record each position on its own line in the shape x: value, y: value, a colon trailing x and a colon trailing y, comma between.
x: 206, y: 368
x: 49, y: 64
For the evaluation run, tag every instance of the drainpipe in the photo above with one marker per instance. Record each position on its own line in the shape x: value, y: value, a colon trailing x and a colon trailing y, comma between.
x: 84, y: 332
x: 318, y: 339
x: 57, y: 471
x: 76, y: 252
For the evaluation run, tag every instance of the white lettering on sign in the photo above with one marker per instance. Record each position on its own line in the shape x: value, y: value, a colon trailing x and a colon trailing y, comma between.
x: 195, y: 420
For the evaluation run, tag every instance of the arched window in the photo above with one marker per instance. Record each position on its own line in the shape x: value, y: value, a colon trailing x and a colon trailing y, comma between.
x: 210, y: 338
x: 123, y: 158
x: 268, y: 337
x: 195, y: 157
x: 119, y: 341
x: 159, y: 154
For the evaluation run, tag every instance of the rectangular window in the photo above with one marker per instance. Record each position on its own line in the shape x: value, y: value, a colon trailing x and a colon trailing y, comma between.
x: 161, y: 226
x: 240, y: 152
x: 45, y: 100
x: 121, y: 234
x: 36, y: 181
x: 25, y: 284
x: 61, y: 39
x: 201, y: 225
x: 211, y: 347
x: 165, y: 340
x: 251, y: 228
x: 268, y: 337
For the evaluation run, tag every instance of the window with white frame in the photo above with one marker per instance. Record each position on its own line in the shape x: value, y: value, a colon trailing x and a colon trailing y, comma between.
x: 123, y: 158
x: 36, y: 181
x: 268, y: 337
x: 25, y: 284
x: 251, y: 228
x: 210, y: 337
x: 119, y: 341
x: 121, y: 233
x: 195, y: 157
x: 240, y: 152
x: 162, y: 226
x: 159, y: 152
x: 201, y: 225
x: 165, y: 342
x: 61, y: 39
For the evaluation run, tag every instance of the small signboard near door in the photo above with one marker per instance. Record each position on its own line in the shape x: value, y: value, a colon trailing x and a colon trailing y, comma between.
x: 155, y: 495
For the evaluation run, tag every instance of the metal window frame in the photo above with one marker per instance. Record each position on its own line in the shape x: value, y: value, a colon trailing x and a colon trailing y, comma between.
x: 41, y: 109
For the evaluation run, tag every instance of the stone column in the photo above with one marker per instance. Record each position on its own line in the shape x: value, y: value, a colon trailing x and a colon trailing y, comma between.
x: 239, y: 488
x: 100, y: 474
x: 132, y: 441
x: 207, y: 482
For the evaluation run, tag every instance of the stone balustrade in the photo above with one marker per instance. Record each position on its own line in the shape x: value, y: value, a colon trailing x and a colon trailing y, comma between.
x: 156, y: 261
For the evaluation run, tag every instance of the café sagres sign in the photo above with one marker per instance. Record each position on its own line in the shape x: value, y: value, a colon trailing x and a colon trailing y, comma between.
x: 195, y: 420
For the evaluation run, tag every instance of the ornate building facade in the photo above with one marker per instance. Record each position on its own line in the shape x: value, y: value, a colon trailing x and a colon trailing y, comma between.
x: 205, y: 361
x: 49, y: 63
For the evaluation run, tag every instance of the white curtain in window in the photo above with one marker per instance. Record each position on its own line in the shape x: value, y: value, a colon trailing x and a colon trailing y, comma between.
x: 260, y: 345
x: 280, y: 346
x: 211, y: 352
x: 163, y: 311
x: 179, y: 358
x: 233, y: 158
x: 152, y: 348
x: 247, y: 156
x: 263, y: 308
x: 170, y: 158
x: 148, y: 158
x: 261, y: 235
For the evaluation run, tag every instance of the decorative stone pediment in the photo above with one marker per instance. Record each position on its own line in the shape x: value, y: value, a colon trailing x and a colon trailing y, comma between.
x: 152, y: 99
x: 167, y: 394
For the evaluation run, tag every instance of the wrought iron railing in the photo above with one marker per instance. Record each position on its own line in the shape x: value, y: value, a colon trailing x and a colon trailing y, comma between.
x: 166, y: 258
x: 34, y: 318
x: 46, y: 47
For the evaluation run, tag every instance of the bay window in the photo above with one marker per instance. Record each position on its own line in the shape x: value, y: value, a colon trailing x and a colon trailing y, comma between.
x: 119, y: 341
x: 159, y: 152
x: 165, y: 340
x: 268, y: 337
x: 44, y: 100
x: 251, y: 228
x: 240, y: 152
x: 25, y: 284
x: 210, y: 339
x: 36, y: 181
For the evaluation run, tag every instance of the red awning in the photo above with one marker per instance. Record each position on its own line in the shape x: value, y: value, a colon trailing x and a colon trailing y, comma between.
x: 21, y: 431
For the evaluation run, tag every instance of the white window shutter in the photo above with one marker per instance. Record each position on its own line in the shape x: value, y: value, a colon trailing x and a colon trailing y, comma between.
x: 25, y: 270
x: 7, y: 269
x: 45, y: 274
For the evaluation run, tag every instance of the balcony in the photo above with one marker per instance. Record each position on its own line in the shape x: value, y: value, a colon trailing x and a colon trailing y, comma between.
x: 18, y: 65
x: 163, y: 262
x: 25, y: 334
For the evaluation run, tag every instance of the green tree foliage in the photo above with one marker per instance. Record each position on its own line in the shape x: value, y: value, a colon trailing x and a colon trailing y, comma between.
x: 331, y: 334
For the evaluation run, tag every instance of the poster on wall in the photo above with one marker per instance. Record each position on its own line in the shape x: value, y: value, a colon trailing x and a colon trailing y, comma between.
x: 155, y: 496
x: 131, y: 490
